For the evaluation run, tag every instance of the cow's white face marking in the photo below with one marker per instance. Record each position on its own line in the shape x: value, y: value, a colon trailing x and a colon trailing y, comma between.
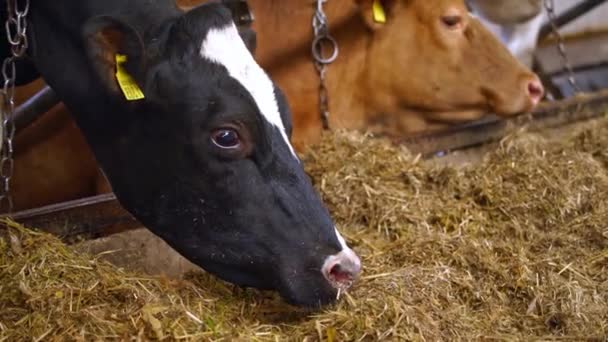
x: 345, y: 249
x: 346, y: 259
x: 341, y: 239
x: 224, y: 46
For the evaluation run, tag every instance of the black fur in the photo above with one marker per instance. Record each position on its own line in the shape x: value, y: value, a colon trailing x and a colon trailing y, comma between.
x: 254, y: 219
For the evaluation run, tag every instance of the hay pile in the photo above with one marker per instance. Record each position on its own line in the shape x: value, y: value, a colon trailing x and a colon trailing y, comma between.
x: 513, y: 248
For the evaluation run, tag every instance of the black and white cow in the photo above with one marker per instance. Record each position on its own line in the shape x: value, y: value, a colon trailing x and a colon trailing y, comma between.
x: 204, y: 160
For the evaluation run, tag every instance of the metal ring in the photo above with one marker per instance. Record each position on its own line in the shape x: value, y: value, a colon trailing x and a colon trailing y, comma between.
x: 9, y: 33
x: 26, y: 9
x: 9, y: 73
x: 316, y: 49
x: 6, y: 167
x: 6, y: 204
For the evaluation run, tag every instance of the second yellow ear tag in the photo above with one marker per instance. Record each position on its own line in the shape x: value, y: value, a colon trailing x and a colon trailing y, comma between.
x: 127, y: 84
x: 378, y: 12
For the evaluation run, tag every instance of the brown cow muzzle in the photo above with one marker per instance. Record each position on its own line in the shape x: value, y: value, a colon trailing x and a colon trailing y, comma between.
x: 526, y: 94
x: 534, y: 90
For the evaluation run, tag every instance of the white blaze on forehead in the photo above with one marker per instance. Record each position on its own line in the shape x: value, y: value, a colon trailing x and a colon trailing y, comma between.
x: 224, y: 46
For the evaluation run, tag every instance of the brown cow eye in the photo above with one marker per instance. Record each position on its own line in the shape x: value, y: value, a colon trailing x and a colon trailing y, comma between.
x: 226, y: 138
x: 452, y: 21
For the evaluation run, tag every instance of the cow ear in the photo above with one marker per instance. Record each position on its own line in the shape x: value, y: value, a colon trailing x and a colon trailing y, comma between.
x: 376, y: 13
x: 107, y: 40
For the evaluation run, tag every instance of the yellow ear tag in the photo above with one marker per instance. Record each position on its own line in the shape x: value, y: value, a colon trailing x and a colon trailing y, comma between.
x: 378, y: 11
x: 125, y: 81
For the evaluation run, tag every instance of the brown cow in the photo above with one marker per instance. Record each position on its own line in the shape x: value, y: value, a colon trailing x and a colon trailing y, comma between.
x: 53, y: 162
x: 428, y: 66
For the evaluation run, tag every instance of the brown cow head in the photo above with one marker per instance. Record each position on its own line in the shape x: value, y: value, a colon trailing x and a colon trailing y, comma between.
x: 431, y: 62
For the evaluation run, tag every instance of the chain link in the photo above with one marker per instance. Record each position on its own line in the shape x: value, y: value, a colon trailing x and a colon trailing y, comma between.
x: 322, y: 37
x: 16, y: 34
x: 561, y: 46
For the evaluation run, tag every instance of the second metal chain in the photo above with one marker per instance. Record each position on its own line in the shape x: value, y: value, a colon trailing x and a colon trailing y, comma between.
x: 321, y: 37
x: 550, y: 7
x: 16, y: 34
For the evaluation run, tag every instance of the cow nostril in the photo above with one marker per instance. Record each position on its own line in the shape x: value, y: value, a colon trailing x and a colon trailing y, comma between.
x: 340, y: 275
x: 535, y: 91
x: 342, y: 269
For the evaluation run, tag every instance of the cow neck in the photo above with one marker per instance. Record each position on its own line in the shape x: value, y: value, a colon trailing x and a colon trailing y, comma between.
x: 289, y: 53
x: 346, y: 76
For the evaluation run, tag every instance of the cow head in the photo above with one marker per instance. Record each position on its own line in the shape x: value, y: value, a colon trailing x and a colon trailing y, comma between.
x: 204, y: 160
x: 442, y: 63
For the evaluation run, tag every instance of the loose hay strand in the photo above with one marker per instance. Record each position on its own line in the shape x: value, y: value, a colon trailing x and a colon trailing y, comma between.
x: 512, y: 248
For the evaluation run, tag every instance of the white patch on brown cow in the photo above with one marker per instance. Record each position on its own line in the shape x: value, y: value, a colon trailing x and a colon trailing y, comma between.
x: 224, y: 46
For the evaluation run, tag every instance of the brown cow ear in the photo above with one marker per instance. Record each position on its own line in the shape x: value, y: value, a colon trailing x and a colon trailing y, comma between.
x: 376, y: 13
x: 115, y: 51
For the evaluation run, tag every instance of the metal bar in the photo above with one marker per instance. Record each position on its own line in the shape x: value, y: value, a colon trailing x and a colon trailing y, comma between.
x: 552, y: 114
x: 86, y: 218
x: 34, y: 108
x: 569, y: 15
x: 58, y: 207
x: 102, y: 215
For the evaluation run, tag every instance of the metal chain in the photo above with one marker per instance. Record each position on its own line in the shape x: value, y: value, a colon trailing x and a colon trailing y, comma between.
x: 550, y: 7
x: 16, y: 34
x: 322, y: 36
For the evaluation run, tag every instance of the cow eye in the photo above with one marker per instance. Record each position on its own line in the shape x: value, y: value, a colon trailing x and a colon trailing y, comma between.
x: 226, y: 138
x: 452, y: 21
